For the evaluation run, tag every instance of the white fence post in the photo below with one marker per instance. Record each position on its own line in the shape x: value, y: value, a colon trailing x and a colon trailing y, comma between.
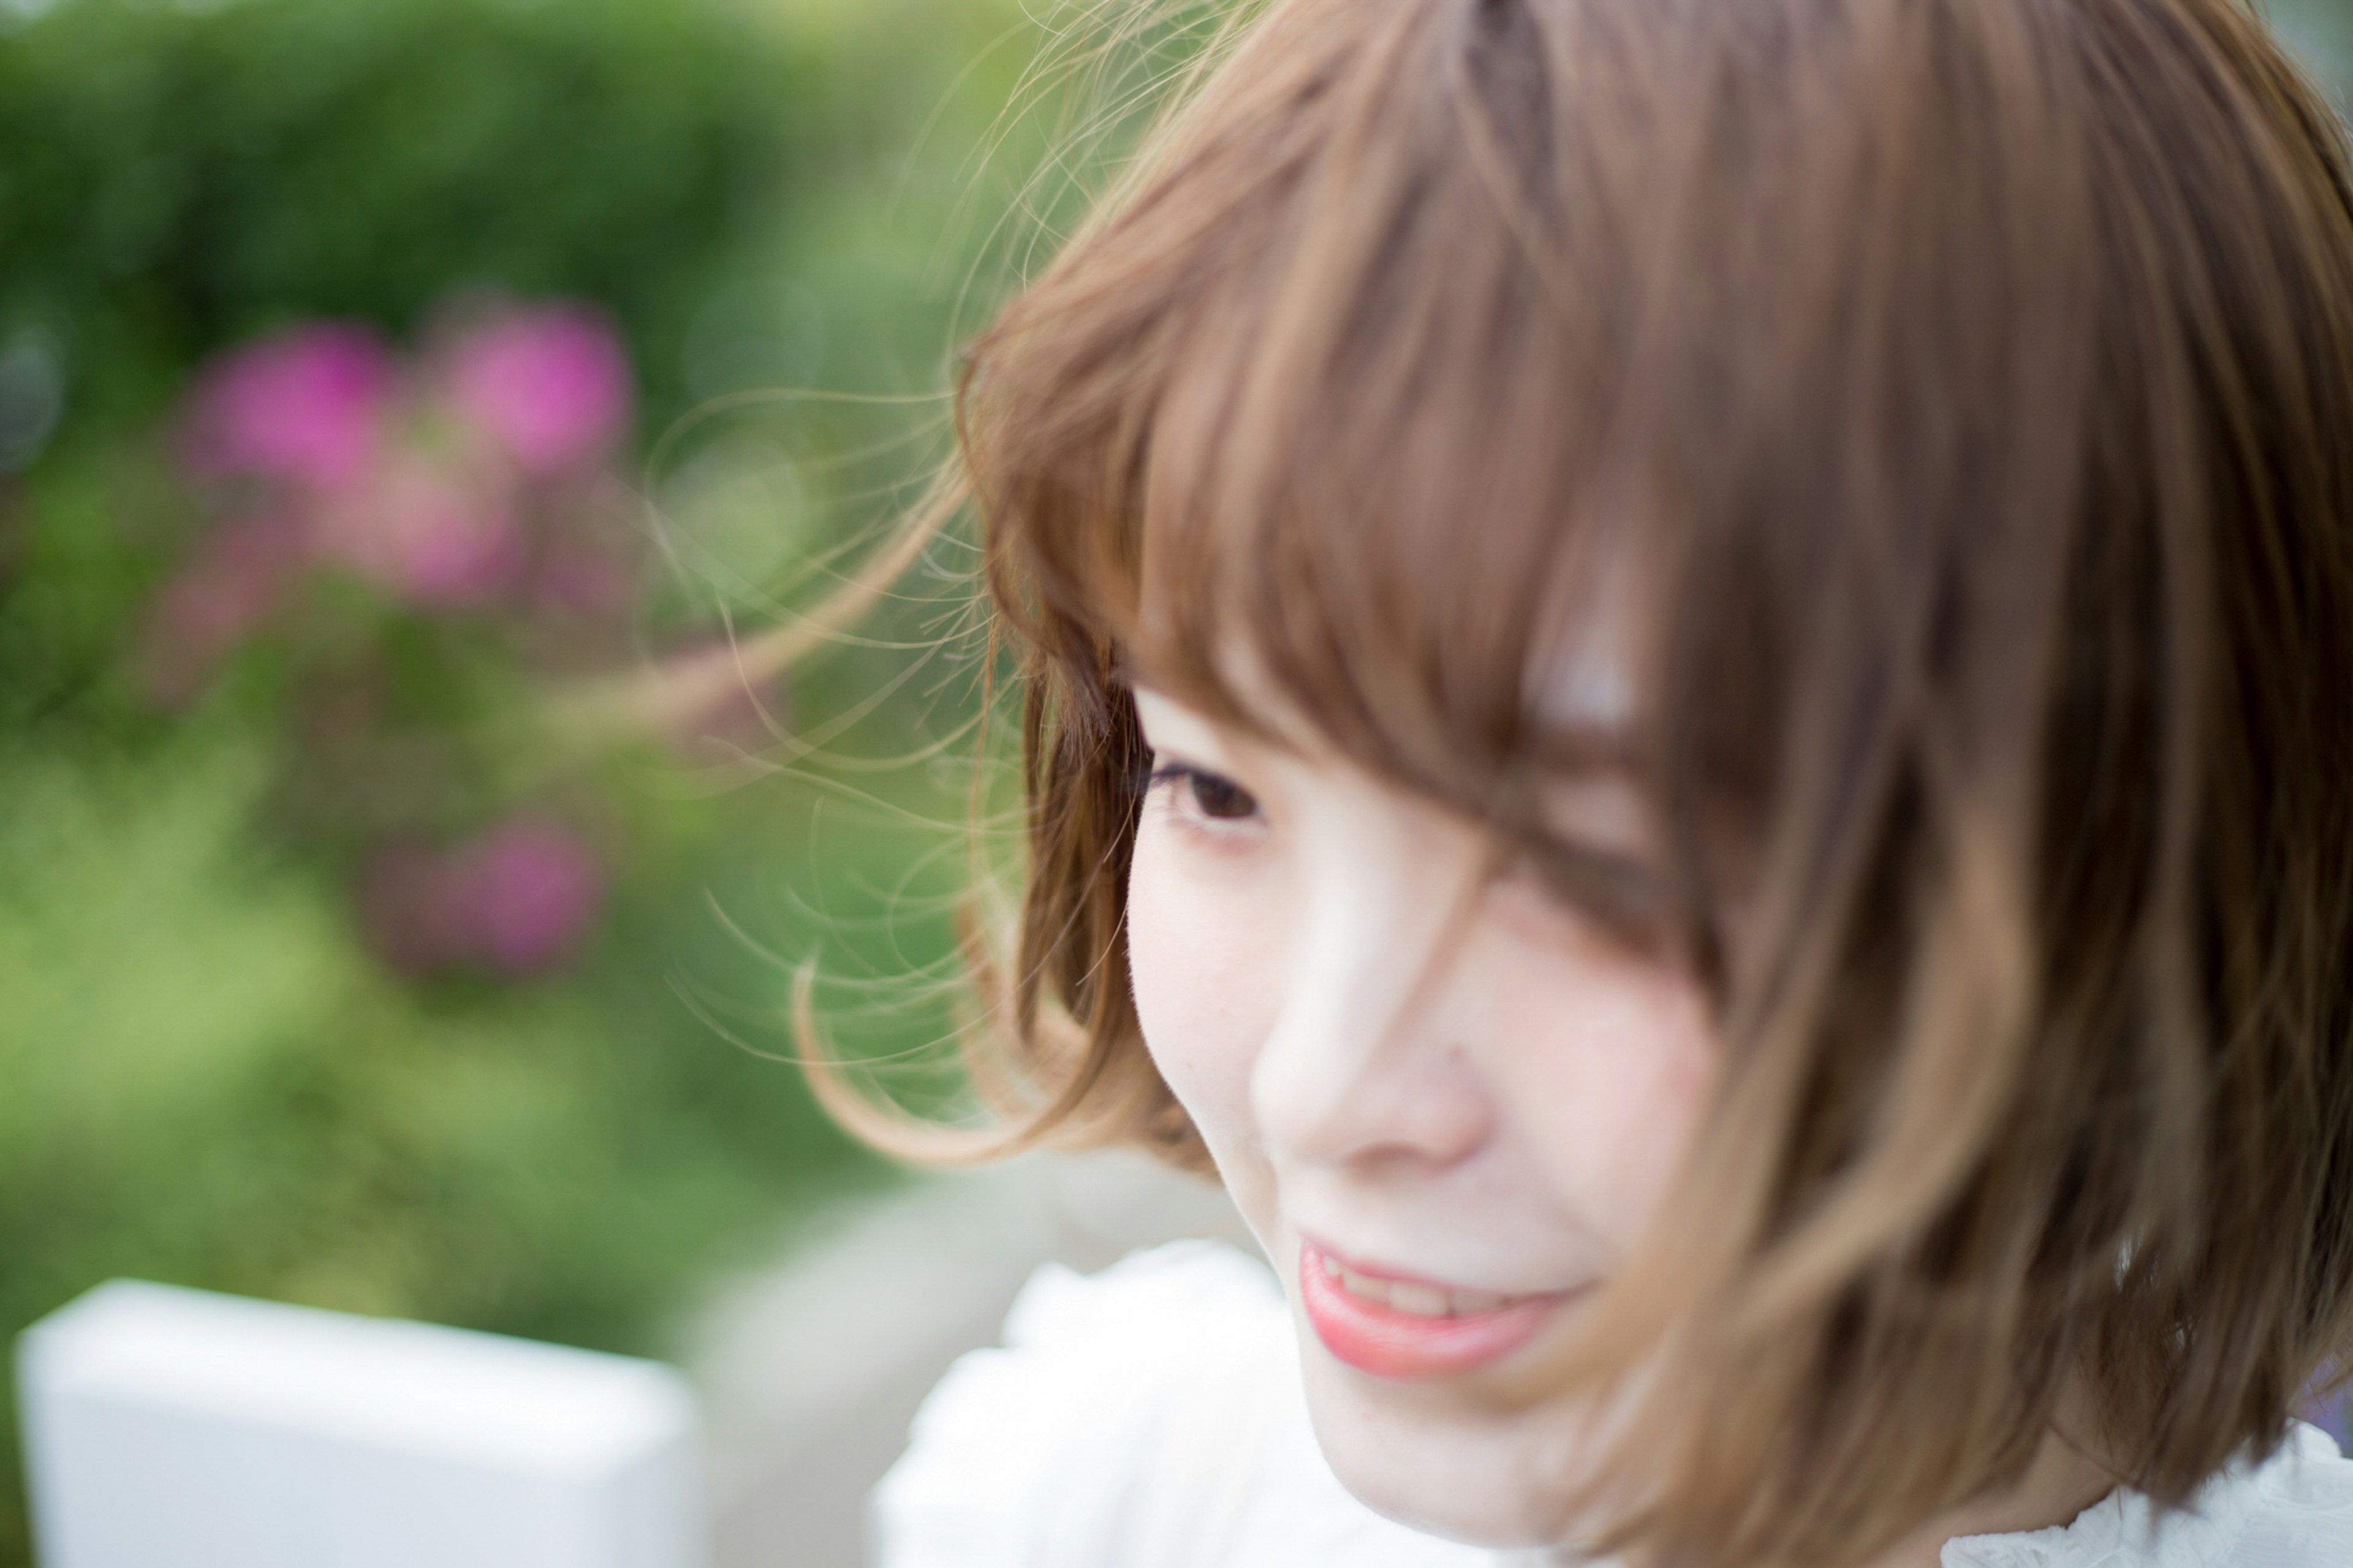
x: 171, y: 1428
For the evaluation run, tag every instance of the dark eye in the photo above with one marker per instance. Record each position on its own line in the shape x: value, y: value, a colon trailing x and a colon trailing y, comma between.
x: 1207, y: 794
x: 1220, y: 797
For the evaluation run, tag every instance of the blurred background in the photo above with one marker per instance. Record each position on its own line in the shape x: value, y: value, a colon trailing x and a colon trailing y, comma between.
x: 403, y: 403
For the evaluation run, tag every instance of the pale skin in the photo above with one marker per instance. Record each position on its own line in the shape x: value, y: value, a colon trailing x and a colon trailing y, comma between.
x: 1402, y: 1053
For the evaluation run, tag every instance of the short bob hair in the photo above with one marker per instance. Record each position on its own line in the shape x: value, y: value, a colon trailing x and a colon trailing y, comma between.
x: 1968, y: 387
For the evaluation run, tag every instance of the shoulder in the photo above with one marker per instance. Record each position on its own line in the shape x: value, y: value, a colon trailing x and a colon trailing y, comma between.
x: 1147, y: 1417
x: 2292, y: 1511
x: 1028, y: 1453
x: 2299, y: 1506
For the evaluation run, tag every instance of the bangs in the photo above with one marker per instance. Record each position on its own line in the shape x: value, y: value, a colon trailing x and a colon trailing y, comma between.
x: 1378, y: 513
x: 1335, y: 456
x: 1444, y: 368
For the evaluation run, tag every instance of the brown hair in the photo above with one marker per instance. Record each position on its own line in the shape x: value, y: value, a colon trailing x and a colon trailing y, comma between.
x: 1973, y: 382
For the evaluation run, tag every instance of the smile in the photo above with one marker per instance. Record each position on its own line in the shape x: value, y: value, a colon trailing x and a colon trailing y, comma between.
x: 1398, y: 1327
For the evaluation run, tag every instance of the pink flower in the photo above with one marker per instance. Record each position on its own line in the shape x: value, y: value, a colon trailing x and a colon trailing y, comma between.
x: 533, y: 889
x: 550, y: 384
x: 430, y: 534
x: 302, y: 406
x: 514, y: 901
x: 232, y: 585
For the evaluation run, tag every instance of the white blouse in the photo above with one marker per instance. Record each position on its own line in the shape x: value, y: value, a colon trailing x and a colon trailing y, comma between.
x: 1151, y: 1417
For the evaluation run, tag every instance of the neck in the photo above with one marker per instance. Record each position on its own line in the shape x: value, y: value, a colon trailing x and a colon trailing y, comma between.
x: 2063, y: 1481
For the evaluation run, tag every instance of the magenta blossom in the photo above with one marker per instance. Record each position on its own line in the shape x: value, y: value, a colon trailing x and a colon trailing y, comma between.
x: 515, y: 901
x: 304, y: 406
x: 536, y: 890
x: 428, y: 534
x: 550, y: 384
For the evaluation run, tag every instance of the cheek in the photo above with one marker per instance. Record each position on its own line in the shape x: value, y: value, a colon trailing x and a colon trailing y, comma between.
x: 1202, y: 956
x: 1609, y: 1062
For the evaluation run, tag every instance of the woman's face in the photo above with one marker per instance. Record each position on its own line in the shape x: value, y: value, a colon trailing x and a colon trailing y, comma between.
x: 1446, y: 1101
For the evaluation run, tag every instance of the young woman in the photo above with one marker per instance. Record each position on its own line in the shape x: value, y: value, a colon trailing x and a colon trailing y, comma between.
x: 1690, y: 685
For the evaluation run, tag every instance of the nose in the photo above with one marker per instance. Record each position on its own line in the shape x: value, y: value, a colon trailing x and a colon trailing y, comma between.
x: 1367, y: 1061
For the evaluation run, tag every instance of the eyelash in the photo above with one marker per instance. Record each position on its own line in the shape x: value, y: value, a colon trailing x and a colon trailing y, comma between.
x: 1187, y: 806
x: 1623, y: 894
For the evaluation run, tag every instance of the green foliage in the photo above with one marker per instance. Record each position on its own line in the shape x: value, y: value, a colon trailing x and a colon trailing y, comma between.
x: 82, y: 544
x: 2320, y: 33
x: 208, y: 1079
x: 210, y: 1084
x: 174, y: 178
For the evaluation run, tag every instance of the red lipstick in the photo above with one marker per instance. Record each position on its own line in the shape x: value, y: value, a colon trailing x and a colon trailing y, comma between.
x: 1378, y: 1336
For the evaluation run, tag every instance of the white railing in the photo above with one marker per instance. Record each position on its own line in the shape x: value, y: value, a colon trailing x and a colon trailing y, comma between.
x: 171, y: 1428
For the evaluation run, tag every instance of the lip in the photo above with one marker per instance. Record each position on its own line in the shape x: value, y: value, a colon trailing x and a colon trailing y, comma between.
x: 1376, y: 1337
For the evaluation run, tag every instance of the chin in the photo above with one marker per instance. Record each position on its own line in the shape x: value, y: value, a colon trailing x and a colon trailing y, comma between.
x: 1429, y: 1462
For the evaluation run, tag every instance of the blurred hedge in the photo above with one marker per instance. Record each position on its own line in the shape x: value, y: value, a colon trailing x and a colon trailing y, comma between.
x: 174, y: 178
x: 207, y: 1077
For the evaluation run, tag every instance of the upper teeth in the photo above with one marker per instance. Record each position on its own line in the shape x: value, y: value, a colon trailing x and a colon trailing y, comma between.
x: 1411, y: 1296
